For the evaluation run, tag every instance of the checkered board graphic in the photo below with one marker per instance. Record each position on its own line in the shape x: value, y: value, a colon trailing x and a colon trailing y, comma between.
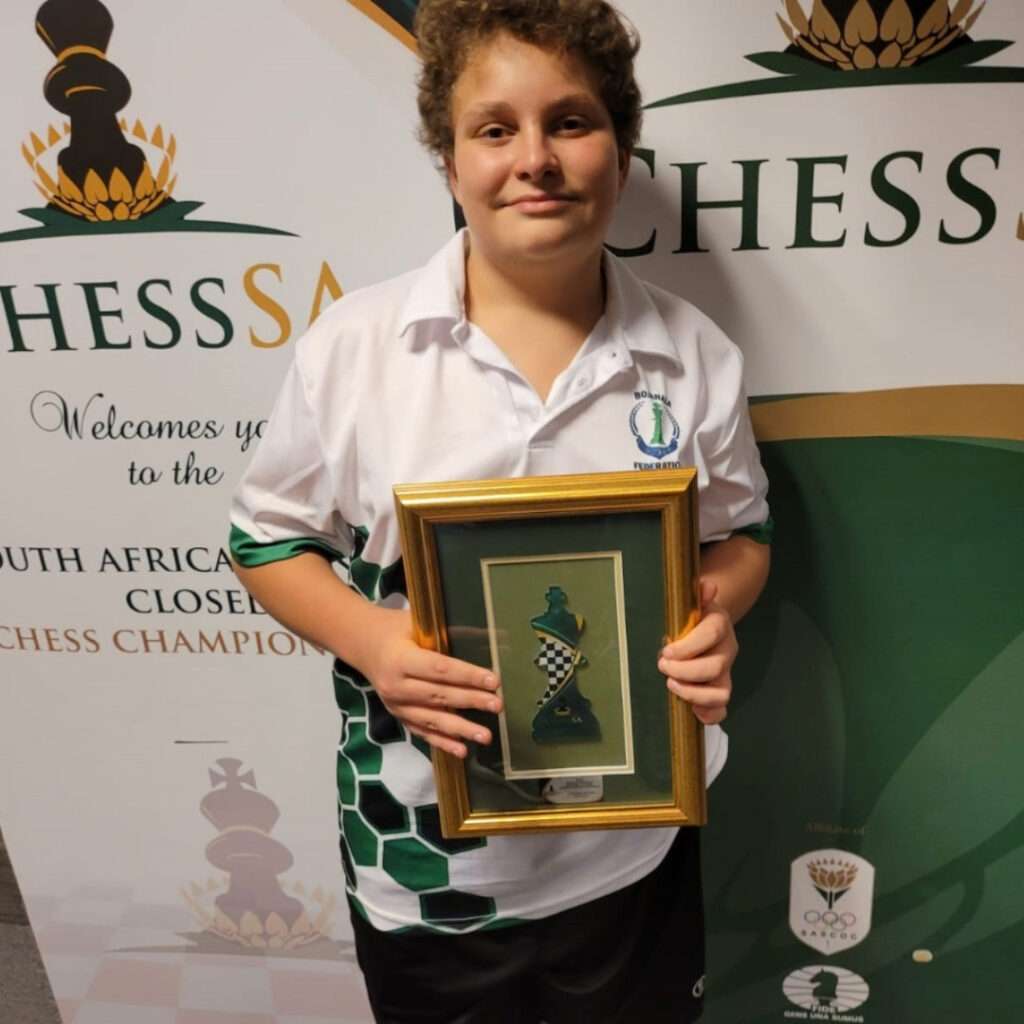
x: 112, y: 960
x: 557, y: 659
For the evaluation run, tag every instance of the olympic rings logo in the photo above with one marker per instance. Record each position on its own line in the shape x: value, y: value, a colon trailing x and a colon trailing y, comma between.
x: 831, y: 919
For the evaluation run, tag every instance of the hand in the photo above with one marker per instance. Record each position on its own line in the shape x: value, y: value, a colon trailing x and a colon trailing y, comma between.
x: 699, y: 665
x: 420, y: 687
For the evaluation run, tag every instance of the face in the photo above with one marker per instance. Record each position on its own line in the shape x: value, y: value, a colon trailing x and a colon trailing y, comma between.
x: 535, y: 165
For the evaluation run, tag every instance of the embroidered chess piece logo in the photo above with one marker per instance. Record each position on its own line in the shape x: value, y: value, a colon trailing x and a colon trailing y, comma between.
x: 654, y: 427
x: 563, y: 712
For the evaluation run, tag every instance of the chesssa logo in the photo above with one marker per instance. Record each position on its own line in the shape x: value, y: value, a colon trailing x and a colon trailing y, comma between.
x: 830, y: 899
x: 97, y: 174
x: 101, y: 173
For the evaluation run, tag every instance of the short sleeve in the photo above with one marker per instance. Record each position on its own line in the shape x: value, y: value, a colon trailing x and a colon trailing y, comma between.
x: 733, y: 498
x: 285, y: 503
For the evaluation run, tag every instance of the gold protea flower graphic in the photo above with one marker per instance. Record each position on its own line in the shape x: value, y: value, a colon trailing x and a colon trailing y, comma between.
x: 99, y: 200
x: 832, y: 879
x: 877, y: 33
x: 255, y: 932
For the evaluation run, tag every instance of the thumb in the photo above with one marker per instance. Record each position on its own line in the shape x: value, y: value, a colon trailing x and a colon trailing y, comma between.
x: 708, y: 592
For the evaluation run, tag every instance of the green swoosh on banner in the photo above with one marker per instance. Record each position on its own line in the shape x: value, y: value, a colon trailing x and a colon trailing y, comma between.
x: 803, y: 75
x: 171, y: 216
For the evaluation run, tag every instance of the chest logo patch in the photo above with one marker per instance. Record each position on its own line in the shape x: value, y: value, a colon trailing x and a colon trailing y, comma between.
x: 655, y: 428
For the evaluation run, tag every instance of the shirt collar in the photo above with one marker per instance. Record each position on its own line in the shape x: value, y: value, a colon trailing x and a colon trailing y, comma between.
x: 630, y: 313
x: 439, y: 290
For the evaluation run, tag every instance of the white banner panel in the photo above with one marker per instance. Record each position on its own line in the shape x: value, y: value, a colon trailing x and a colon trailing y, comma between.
x: 847, y: 207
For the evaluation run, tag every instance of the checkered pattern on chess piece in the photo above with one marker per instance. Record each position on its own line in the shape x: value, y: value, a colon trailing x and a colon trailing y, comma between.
x: 563, y: 712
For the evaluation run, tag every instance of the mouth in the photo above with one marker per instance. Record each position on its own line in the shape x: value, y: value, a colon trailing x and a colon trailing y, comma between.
x: 541, y: 202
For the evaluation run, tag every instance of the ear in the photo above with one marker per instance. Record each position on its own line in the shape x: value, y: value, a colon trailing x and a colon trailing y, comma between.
x: 453, y: 178
x: 625, y: 159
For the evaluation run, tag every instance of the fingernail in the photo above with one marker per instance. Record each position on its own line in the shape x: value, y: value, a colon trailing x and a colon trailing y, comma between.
x: 495, y: 706
x: 481, y: 737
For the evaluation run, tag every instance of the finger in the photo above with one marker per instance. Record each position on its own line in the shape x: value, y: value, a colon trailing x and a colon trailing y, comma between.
x: 708, y: 592
x: 710, y: 716
x: 426, y: 694
x: 708, y: 669
x: 439, y: 741
x: 420, y: 664
x: 435, y: 721
x: 710, y: 632
x: 708, y: 697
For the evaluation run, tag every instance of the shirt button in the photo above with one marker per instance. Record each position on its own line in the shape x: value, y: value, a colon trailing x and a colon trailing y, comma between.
x: 582, y: 382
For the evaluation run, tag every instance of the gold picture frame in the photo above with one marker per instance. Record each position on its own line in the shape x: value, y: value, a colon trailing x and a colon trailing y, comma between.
x: 567, y: 586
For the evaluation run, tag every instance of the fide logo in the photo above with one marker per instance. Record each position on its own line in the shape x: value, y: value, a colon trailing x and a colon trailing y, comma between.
x: 826, y: 990
x: 830, y: 899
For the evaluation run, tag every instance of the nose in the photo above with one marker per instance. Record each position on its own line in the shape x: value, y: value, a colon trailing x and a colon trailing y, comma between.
x: 535, y: 156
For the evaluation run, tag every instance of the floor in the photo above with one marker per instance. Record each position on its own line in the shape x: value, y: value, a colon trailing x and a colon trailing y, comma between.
x: 111, y: 959
x: 24, y: 991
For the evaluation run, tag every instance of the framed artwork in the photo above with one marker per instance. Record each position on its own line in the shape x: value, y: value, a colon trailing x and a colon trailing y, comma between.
x: 566, y: 587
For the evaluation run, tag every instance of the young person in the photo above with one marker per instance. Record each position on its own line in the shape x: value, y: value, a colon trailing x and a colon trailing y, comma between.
x: 522, y: 348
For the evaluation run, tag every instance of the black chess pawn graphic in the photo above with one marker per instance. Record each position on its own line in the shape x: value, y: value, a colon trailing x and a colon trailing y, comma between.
x: 105, y: 170
x: 245, y: 850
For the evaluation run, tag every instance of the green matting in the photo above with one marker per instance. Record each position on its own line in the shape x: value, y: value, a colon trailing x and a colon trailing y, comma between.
x: 461, y: 547
x: 518, y: 595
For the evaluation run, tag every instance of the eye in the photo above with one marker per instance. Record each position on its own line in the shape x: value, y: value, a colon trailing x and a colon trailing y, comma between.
x: 493, y: 132
x: 573, y: 124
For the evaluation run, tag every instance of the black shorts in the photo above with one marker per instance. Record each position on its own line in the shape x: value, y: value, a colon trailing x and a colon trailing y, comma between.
x: 635, y: 956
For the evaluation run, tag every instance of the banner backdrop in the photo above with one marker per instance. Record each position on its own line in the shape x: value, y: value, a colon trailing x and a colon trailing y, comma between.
x: 185, y: 186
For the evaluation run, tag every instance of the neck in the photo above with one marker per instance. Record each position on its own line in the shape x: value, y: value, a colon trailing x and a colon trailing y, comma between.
x: 572, y: 293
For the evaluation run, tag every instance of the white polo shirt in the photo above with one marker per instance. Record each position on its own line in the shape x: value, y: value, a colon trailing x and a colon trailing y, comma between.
x: 391, y: 385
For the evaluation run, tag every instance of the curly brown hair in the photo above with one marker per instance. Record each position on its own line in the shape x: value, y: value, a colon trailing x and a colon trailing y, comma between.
x: 448, y: 30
